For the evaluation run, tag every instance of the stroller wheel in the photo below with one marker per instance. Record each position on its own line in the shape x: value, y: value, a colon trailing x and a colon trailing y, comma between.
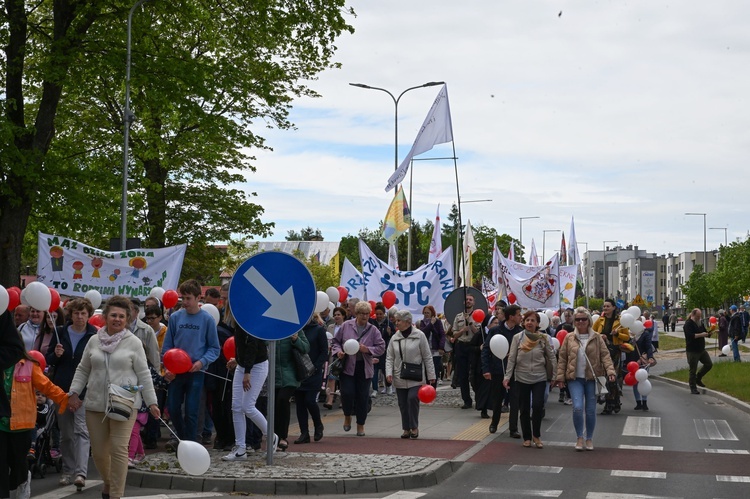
x: 42, y: 470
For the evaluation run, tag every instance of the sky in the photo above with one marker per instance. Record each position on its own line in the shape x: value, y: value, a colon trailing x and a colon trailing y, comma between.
x: 622, y: 114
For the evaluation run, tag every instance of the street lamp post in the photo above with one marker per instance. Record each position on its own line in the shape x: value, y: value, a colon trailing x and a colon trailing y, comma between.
x: 705, y: 269
x: 544, y: 243
x: 604, y: 262
x: 725, y: 232
x: 127, y: 120
x: 395, y: 128
x: 458, y: 237
x: 520, y: 229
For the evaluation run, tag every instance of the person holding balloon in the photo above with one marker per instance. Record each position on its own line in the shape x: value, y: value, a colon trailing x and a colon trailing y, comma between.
x: 339, y: 314
x: 408, y: 344
x: 63, y: 358
x: 695, y: 350
x: 583, y: 356
x: 643, y: 356
x: 29, y: 330
x: 113, y: 355
x: 532, y: 362
x: 358, y: 370
x: 608, y: 325
x: 47, y: 330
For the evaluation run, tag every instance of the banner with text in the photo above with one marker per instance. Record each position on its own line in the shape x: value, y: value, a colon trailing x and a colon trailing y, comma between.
x: 352, y: 280
x: 430, y: 284
x: 534, y: 287
x: 72, y: 268
x: 568, y: 274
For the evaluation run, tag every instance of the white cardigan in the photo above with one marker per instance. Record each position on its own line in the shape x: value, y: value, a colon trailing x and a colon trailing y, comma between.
x: 127, y: 366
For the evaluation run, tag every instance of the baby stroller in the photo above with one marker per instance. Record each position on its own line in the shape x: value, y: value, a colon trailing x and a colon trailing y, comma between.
x: 40, y: 460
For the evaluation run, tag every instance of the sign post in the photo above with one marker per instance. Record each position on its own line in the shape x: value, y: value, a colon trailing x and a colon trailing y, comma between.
x: 272, y: 295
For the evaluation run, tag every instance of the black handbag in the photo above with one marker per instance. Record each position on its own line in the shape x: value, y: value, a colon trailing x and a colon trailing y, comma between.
x: 303, y: 365
x: 409, y: 370
x: 336, y: 367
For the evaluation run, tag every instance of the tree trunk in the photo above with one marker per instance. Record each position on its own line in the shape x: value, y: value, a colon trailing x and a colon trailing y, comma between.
x: 156, y: 201
x: 13, y: 219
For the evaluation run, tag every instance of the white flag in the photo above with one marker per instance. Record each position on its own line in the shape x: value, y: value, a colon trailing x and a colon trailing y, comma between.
x: 436, y: 245
x: 470, y: 247
x: 511, y: 254
x: 495, y: 264
x: 393, y: 256
x: 533, y: 257
x: 352, y: 280
x: 573, y: 256
x: 436, y: 129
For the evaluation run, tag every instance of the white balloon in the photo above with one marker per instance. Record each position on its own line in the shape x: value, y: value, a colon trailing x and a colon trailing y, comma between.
x: 212, y: 311
x: 641, y: 375
x: 193, y: 457
x: 626, y: 320
x: 94, y: 297
x: 644, y: 387
x: 549, y: 313
x: 329, y: 335
x: 634, y: 311
x: 333, y: 294
x: 331, y: 306
x: 351, y: 346
x: 726, y: 349
x: 637, y: 328
x: 25, y: 299
x: 38, y: 296
x: 4, y: 300
x: 555, y: 343
x: 594, y: 318
x: 156, y: 292
x: 499, y: 346
x: 321, y: 302
x: 543, y: 320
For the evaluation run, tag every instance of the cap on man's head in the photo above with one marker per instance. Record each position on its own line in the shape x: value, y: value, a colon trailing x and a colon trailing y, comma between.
x: 733, y: 308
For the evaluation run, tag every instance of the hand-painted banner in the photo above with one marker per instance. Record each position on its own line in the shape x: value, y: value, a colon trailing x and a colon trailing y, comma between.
x: 352, y: 280
x: 428, y: 285
x: 568, y: 276
x: 532, y: 287
x: 72, y: 268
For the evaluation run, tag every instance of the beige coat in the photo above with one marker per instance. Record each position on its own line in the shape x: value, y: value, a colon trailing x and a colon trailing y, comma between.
x: 416, y: 350
x: 596, y: 351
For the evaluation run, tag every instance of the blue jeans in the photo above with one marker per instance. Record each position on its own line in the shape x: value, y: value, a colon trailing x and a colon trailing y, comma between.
x: 736, y: 349
x: 582, y: 392
x: 185, y: 387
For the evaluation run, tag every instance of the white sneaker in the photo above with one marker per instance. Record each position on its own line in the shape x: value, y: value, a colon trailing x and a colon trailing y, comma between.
x: 391, y: 390
x: 383, y: 390
x: 237, y: 454
x: 64, y: 480
x: 374, y: 394
x: 24, y: 490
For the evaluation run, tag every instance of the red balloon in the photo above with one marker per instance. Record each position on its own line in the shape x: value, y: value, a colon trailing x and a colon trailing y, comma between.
x: 388, y: 299
x: 630, y: 379
x: 511, y: 298
x: 169, y: 299
x: 632, y: 366
x: 711, y: 320
x: 561, y: 334
x: 372, y: 306
x: 14, y: 298
x: 343, y: 293
x: 37, y: 356
x: 229, y: 349
x: 556, y: 313
x: 55, y: 303
x: 97, y: 320
x: 478, y: 315
x: 427, y: 394
x: 177, y: 360
x: 648, y: 324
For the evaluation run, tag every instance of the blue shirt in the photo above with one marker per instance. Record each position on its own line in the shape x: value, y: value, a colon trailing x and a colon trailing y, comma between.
x: 194, y: 333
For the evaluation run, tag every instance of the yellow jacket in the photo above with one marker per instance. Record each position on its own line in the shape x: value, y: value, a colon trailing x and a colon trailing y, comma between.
x: 620, y: 334
x: 23, y: 399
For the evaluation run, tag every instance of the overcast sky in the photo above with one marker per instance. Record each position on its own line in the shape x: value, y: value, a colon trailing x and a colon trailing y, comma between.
x: 624, y: 115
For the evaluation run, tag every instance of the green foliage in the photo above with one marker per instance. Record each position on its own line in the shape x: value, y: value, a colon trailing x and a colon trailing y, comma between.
x: 324, y: 275
x: 697, y: 290
x: 726, y: 377
x: 594, y: 303
x: 306, y: 234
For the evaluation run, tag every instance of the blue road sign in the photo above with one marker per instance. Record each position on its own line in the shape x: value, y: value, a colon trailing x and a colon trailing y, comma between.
x: 272, y: 295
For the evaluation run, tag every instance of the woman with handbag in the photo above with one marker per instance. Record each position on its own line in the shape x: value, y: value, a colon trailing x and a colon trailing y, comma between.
x: 531, y: 362
x: 114, y: 371
x: 306, y: 396
x: 408, y: 355
x: 583, y: 361
x: 287, y: 381
x: 356, y: 378
x: 339, y: 314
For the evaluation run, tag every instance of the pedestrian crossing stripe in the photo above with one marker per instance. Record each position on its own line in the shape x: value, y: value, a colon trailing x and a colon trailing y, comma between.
x: 714, y: 429
x: 642, y: 427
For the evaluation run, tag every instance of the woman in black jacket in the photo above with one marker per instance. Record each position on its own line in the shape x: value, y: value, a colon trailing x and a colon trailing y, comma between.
x: 306, y: 396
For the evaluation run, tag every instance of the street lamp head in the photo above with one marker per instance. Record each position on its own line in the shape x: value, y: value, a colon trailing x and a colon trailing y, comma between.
x: 360, y: 85
x: 433, y: 83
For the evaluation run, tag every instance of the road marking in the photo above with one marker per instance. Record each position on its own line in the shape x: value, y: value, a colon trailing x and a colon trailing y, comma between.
x: 714, y: 429
x: 642, y: 427
x: 640, y: 447
x: 561, y: 424
x: 517, y: 493
x: 727, y: 451
x: 65, y: 492
x: 559, y: 444
x: 536, y: 469
x: 405, y: 494
x: 185, y: 495
x: 639, y: 474
x: 613, y: 495
x: 735, y: 479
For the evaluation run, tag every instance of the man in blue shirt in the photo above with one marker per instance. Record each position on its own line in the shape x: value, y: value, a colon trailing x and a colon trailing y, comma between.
x: 194, y: 331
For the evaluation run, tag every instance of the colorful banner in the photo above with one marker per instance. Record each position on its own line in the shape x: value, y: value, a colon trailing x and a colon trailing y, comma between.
x: 352, y: 280
x: 568, y: 276
x: 397, y: 219
x: 72, y: 268
x: 532, y: 287
x: 430, y: 284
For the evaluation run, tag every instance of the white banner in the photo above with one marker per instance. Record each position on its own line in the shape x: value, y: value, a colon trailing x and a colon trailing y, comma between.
x: 352, y: 280
x: 532, y: 287
x: 436, y: 129
x: 72, y: 268
x: 568, y: 276
x: 430, y: 284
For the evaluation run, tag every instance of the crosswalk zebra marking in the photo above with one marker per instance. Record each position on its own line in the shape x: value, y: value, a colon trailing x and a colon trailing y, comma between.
x: 642, y: 427
x: 714, y: 429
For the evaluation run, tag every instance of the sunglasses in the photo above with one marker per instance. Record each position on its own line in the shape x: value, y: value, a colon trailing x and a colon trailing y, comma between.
x: 581, y: 319
x: 150, y: 318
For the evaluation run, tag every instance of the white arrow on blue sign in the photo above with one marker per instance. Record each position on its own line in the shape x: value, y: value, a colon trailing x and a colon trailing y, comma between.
x: 272, y: 295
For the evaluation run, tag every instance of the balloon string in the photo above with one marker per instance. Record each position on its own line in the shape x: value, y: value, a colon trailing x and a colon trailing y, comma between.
x: 168, y: 428
x: 216, y: 375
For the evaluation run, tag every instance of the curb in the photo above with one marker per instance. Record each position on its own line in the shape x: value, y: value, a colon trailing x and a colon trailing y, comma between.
x: 719, y: 395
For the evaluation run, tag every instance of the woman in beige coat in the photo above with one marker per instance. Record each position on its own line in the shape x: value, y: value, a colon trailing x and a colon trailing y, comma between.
x: 583, y: 356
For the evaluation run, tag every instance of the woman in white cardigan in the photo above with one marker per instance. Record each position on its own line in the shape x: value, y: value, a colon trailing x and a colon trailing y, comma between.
x: 115, y: 351
x: 408, y: 344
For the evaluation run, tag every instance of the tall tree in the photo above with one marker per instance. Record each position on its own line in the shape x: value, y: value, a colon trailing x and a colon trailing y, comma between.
x: 306, y: 234
x: 203, y: 74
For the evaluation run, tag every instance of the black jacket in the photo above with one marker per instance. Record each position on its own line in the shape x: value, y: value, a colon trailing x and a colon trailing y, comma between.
x: 316, y: 336
x: 65, y: 366
x: 250, y: 350
x: 219, y: 366
x: 490, y: 363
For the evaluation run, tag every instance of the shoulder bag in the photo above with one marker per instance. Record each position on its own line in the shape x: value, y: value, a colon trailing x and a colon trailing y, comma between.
x: 336, y: 367
x: 601, y: 381
x: 303, y: 365
x: 409, y: 370
x: 120, y: 401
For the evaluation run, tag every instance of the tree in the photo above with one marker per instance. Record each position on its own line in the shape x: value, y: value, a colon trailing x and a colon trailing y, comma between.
x: 203, y: 73
x: 697, y: 290
x: 306, y: 234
